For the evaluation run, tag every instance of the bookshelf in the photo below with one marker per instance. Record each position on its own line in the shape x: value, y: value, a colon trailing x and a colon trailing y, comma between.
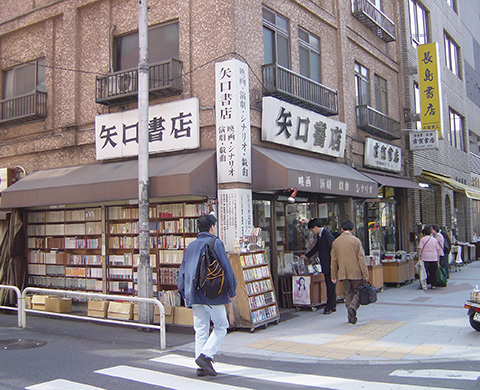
x: 256, y: 303
x: 65, y: 246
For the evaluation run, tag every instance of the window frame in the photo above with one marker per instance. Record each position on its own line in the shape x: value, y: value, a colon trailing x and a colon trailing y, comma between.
x: 415, y: 34
x: 452, y: 57
x: 381, y: 93
x: 360, y: 79
x: 277, y: 31
x: 38, y: 79
x: 456, y: 131
x: 312, y: 51
x: 453, y: 4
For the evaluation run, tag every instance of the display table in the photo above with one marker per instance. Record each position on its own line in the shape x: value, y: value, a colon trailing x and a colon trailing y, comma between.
x: 395, y: 272
x: 375, y: 276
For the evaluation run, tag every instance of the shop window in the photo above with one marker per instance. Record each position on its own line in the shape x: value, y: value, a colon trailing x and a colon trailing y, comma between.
x: 309, y: 49
x: 381, y: 228
x: 163, y: 45
x: 362, y: 85
x: 276, y: 38
x: 24, y: 79
x: 451, y: 55
x: 381, y: 99
x: 418, y: 23
x: 263, y: 219
x: 456, y: 130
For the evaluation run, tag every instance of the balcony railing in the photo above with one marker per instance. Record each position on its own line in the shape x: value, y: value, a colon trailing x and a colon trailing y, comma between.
x: 25, y: 108
x: 291, y: 87
x: 376, y: 123
x: 165, y: 79
x: 374, y: 19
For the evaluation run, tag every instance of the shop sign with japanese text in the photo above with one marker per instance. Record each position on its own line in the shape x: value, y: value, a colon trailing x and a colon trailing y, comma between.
x: 232, y: 115
x: 235, y: 215
x: 425, y: 139
x: 430, y: 87
x: 171, y: 126
x: 286, y: 124
x: 383, y: 156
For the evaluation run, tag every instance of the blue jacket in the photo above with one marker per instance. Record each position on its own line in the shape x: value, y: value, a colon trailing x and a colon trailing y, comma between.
x: 188, y: 269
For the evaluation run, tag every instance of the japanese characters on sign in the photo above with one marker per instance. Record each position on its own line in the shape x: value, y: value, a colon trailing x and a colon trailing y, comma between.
x: 235, y: 215
x: 286, y: 124
x: 382, y: 156
x: 430, y: 87
x: 171, y: 126
x: 421, y: 140
x: 232, y: 110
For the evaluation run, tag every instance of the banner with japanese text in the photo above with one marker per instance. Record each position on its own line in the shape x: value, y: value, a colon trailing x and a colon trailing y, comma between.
x: 430, y: 88
x: 171, y: 126
x: 232, y: 115
x: 381, y: 155
x: 235, y: 215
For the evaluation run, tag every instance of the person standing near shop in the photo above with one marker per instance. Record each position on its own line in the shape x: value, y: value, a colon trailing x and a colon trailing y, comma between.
x: 322, y: 248
x: 447, y: 247
x: 204, y: 308
x: 439, y: 237
x: 429, y: 250
x: 348, y: 263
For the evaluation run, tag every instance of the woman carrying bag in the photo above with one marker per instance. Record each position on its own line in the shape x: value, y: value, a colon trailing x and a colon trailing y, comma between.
x: 429, y: 250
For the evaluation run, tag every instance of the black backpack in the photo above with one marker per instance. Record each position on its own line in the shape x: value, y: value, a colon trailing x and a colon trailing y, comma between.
x: 210, y: 276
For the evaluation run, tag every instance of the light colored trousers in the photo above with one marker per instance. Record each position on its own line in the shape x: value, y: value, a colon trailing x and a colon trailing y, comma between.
x: 206, y: 342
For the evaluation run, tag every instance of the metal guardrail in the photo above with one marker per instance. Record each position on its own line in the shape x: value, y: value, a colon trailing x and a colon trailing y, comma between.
x: 20, y: 303
x: 22, y: 311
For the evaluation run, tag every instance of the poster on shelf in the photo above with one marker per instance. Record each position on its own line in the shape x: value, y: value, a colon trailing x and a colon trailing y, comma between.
x: 301, y: 290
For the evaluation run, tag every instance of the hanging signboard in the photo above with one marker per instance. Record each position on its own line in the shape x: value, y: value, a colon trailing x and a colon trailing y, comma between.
x: 421, y: 140
x: 381, y: 155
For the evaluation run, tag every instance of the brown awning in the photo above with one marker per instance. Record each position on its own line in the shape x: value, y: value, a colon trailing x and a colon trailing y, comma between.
x: 278, y: 170
x: 175, y: 175
x: 389, y: 181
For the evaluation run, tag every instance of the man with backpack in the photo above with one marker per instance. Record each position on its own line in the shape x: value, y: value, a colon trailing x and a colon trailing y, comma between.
x: 206, y: 309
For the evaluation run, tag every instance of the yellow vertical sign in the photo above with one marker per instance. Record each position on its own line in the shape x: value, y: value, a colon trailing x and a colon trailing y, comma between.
x: 430, y: 87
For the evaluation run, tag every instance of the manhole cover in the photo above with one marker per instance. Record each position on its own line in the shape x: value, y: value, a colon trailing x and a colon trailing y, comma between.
x: 21, y: 344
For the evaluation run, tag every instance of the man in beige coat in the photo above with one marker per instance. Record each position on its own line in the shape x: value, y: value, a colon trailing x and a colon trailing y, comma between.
x: 348, y: 264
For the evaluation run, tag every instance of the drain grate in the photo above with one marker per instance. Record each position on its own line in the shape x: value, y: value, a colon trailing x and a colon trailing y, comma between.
x: 21, y: 344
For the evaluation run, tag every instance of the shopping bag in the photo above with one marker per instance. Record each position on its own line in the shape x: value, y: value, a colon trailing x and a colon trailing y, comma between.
x: 367, y: 294
x: 441, y: 277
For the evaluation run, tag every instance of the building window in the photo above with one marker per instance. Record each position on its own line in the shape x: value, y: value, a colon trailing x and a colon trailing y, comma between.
x: 418, y: 23
x: 163, y: 45
x: 276, y: 38
x: 451, y: 55
x: 456, y: 130
x: 418, y: 109
x: 309, y: 48
x: 377, y: 3
x: 474, y: 143
x: 24, y: 79
x: 381, y: 100
x: 362, y: 85
x: 453, y: 4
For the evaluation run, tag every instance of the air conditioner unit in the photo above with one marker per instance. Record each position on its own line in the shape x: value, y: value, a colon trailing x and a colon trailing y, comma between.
x: 125, y: 83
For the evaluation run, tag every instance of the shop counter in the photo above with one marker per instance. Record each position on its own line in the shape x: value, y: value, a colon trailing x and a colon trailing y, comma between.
x: 375, y: 276
x: 395, y: 272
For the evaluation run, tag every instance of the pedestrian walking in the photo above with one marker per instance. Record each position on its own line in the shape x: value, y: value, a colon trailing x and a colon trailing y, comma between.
x: 348, y: 263
x: 429, y: 250
x: 323, y: 248
x: 206, y: 309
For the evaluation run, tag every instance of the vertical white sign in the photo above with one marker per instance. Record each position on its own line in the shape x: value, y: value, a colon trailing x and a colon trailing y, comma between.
x: 235, y: 216
x: 232, y: 111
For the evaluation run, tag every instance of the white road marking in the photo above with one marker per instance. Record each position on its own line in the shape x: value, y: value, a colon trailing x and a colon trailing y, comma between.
x: 157, y: 378
x: 317, y: 381
x: 62, y: 384
x: 438, y: 374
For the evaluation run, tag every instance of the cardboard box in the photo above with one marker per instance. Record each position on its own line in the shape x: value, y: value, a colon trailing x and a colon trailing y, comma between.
x: 120, y: 310
x: 183, y: 316
x: 97, y: 309
x: 169, y: 314
x: 38, y: 302
x: 58, y: 305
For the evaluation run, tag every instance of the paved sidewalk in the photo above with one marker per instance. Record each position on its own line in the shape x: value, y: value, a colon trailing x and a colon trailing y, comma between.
x: 406, y: 324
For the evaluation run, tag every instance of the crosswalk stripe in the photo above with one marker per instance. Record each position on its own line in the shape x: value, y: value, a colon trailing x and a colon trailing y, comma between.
x: 62, y: 384
x: 173, y: 382
x: 438, y: 374
x: 318, y: 381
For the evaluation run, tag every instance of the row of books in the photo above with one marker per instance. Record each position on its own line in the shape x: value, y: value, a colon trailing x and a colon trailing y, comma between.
x: 154, y: 279
x: 258, y: 287
x: 169, y: 298
x: 261, y: 300
x: 81, y: 243
x: 89, y: 214
x: 84, y: 284
x: 256, y: 273
x: 264, y: 314
x: 121, y: 287
x: 168, y: 275
x: 250, y: 259
x: 83, y: 272
x: 120, y: 273
x: 85, y: 260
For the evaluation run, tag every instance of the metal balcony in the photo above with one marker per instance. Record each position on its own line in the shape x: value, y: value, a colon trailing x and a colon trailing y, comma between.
x: 291, y: 87
x: 165, y: 79
x: 376, y: 123
x: 25, y: 108
x: 374, y: 19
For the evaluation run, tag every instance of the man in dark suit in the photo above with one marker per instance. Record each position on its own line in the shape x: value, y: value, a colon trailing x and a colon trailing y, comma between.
x: 322, y: 248
x: 447, y: 246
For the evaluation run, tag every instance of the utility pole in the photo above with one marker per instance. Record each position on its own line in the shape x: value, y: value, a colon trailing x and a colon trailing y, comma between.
x: 144, y: 272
